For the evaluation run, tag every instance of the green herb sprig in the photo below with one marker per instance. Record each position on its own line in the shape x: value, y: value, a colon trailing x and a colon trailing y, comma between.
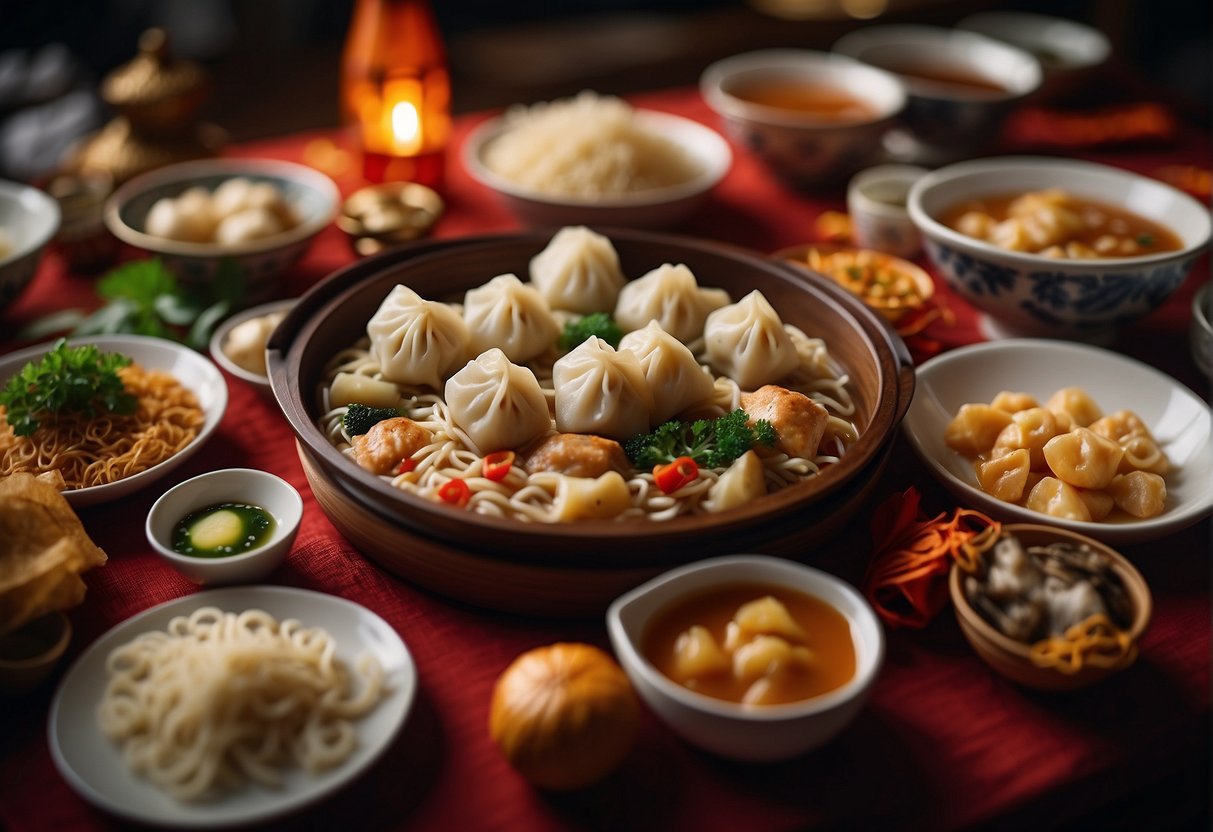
x: 596, y: 324
x: 144, y: 298
x: 79, y: 379
x: 712, y: 443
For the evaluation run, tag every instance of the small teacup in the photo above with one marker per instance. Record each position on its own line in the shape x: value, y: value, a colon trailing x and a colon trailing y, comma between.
x: 876, y: 201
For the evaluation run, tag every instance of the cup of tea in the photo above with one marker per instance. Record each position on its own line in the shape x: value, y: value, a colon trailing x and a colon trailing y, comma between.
x: 813, y: 118
x: 876, y: 201
x: 960, y: 85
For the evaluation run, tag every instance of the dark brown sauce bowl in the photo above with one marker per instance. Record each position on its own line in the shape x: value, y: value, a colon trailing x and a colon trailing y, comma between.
x: 334, y: 314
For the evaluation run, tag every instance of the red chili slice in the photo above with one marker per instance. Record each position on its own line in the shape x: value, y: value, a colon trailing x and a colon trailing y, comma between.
x: 676, y: 474
x: 407, y: 464
x: 496, y: 466
x: 456, y: 492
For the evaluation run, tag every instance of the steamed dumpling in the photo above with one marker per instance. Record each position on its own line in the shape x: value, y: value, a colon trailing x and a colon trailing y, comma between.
x: 671, y: 296
x: 746, y: 341
x: 602, y: 391
x: 498, y: 404
x: 675, y: 378
x: 507, y: 313
x: 578, y: 271
x: 417, y: 341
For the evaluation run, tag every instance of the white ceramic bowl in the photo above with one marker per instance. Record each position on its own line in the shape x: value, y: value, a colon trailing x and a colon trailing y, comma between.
x: 947, y: 122
x: 876, y: 201
x: 1180, y: 421
x: 799, y: 147
x: 653, y: 208
x: 311, y: 194
x: 1066, y: 49
x: 1200, y: 331
x: 29, y: 219
x: 220, y: 338
x: 750, y: 734
x: 229, y: 485
x: 193, y: 371
x: 1030, y: 294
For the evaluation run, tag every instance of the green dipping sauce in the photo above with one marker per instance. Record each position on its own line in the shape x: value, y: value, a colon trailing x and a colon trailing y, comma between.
x: 222, y: 530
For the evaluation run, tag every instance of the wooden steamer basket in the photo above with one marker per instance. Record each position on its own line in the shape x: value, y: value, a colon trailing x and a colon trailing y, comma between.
x: 577, y: 568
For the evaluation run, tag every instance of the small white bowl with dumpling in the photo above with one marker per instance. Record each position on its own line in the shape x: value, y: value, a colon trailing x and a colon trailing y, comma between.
x: 203, y: 216
x: 749, y: 657
x: 238, y: 344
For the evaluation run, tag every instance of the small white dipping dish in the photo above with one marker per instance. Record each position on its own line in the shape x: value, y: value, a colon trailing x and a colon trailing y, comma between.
x: 650, y: 208
x: 230, y: 485
x: 219, y: 344
x: 747, y: 733
x: 876, y: 201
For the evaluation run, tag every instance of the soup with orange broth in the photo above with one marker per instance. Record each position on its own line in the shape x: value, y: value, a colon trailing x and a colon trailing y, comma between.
x: 762, y: 659
x: 819, y: 101
x: 1055, y: 223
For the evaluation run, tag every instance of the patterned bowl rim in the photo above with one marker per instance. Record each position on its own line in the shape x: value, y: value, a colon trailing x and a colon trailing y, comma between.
x: 938, y: 233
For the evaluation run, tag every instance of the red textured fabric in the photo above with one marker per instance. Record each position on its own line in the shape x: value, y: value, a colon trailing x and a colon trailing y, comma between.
x: 943, y: 744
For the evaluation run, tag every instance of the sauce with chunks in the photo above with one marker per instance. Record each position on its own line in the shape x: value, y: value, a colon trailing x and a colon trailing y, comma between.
x: 1058, y: 224
x: 817, y: 653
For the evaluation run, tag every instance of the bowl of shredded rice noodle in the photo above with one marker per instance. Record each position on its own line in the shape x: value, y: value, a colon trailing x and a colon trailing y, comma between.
x: 596, y: 160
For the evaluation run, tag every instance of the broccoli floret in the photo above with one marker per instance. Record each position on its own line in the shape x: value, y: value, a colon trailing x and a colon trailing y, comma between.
x: 598, y: 324
x: 711, y: 443
x: 359, y: 418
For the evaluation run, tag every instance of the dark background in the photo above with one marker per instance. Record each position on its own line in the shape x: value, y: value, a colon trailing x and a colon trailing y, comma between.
x: 275, y: 62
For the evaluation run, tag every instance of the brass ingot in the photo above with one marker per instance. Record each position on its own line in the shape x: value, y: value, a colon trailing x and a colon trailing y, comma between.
x: 381, y: 216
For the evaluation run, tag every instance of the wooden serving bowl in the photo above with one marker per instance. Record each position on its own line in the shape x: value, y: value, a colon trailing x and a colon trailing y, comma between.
x: 1010, y: 657
x: 334, y: 315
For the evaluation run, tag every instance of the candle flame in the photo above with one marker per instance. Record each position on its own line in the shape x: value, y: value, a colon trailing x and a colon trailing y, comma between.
x: 406, y: 123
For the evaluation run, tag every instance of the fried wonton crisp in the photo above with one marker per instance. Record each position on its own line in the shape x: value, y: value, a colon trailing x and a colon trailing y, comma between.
x: 43, y: 551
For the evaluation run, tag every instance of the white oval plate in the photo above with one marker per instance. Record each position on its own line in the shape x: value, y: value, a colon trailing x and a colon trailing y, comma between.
x: 195, y: 372
x: 94, y: 766
x: 1180, y: 421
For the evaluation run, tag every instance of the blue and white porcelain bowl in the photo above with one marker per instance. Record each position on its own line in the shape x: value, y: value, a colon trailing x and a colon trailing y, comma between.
x: 312, y: 196
x: 1034, y: 295
x: 804, y: 149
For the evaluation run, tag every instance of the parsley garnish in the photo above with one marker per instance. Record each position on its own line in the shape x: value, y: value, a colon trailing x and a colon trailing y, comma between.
x: 67, y: 378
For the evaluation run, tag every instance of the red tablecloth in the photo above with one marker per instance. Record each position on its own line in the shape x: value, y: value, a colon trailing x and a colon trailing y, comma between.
x: 944, y: 743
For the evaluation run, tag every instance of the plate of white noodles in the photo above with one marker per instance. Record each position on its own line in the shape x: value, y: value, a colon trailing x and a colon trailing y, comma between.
x: 231, y: 706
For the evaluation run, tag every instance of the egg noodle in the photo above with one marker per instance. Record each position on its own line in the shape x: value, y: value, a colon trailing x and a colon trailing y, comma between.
x: 90, y: 449
x: 221, y: 698
x: 532, y: 497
